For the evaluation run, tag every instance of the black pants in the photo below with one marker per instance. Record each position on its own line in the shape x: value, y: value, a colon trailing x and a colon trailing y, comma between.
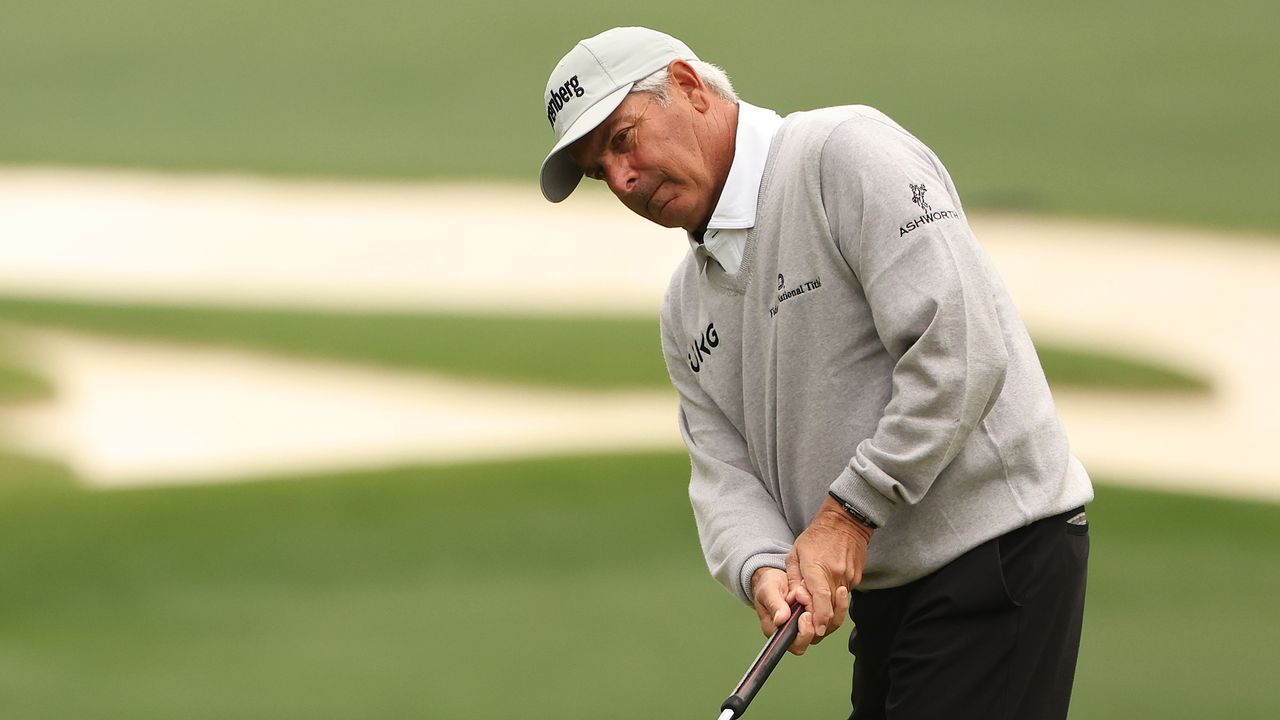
x: 992, y: 635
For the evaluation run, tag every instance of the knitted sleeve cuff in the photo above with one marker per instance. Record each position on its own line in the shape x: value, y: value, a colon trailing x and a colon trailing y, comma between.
x: 754, y: 563
x: 855, y: 490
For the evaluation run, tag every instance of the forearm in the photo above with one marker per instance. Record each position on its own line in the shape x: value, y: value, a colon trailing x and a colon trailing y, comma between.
x: 943, y: 385
x: 739, y: 525
x: 932, y: 297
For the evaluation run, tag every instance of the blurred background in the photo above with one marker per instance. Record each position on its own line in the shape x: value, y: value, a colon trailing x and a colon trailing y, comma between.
x: 311, y: 407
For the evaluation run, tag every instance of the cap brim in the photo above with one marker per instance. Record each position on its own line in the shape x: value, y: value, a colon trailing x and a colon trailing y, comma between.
x: 560, y: 174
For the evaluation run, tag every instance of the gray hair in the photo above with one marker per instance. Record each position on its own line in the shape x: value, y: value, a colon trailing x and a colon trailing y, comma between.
x: 716, y: 78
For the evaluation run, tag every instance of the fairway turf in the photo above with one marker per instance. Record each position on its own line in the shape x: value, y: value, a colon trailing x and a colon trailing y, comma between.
x: 567, y: 588
x: 568, y: 351
x: 19, y: 384
x: 23, y: 477
x: 1126, y: 108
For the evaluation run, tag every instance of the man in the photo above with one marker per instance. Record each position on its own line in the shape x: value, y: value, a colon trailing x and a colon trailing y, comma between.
x: 867, y: 422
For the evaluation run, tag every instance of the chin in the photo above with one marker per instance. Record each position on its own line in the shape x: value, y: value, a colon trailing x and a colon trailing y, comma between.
x: 675, y: 215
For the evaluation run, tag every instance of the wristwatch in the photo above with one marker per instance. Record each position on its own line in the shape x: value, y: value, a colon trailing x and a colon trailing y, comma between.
x: 854, y: 512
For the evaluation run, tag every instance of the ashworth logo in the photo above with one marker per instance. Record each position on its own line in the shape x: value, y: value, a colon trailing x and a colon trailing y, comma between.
x: 561, y: 95
x: 917, y: 197
x: 702, y: 347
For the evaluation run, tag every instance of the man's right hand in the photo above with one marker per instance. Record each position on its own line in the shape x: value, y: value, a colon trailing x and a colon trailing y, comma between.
x: 769, y: 588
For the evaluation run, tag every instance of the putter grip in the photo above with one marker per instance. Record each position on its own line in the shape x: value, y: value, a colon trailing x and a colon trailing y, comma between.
x: 765, y: 662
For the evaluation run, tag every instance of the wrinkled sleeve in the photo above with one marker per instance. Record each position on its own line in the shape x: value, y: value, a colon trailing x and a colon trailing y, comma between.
x: 898, y: 222
x: 739, y: 525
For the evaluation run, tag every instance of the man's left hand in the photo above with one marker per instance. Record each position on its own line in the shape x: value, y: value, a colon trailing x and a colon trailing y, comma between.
x: 825, y: 563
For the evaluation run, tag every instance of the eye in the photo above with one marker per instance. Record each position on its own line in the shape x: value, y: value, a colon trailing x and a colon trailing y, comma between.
x: 621, y: 138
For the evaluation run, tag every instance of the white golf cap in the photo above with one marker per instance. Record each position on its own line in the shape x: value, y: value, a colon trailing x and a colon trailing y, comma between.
x: 589, y: 84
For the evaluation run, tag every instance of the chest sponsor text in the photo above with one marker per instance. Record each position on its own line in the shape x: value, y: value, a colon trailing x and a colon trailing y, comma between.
x: 701, y: 347
x: 786, y: 294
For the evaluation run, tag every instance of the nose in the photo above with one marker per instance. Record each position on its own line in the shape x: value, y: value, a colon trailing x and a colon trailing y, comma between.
x: 620, y: 176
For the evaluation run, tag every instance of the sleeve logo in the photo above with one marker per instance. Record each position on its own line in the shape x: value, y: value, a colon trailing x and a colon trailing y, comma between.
x: 929, y: 216
x: 917, y: 196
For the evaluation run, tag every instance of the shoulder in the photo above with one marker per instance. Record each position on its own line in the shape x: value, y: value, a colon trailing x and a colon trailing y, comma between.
x: 846, y: 122
x: 861, y: 140
x: 838, y: 138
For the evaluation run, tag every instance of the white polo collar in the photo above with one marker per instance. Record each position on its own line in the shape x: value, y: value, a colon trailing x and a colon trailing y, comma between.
x: 736, y: 209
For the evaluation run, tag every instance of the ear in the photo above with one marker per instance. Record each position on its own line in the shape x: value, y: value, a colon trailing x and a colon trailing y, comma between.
x: 685, y: 81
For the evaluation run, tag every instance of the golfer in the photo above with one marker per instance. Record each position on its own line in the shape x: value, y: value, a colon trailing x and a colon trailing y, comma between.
x: 869, y: 428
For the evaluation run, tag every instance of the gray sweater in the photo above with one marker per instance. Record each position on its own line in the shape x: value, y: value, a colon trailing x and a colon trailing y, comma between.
x: 866, y: 346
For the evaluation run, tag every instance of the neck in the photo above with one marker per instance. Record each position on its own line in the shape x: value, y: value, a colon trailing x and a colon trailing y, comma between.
x: 723, y: 128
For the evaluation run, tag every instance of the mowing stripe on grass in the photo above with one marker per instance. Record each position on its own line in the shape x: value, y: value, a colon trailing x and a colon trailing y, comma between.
x: 18, y: 384
x: 567, y: 351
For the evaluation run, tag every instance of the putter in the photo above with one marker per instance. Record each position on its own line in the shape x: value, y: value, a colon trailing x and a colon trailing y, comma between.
x: 736, y: 704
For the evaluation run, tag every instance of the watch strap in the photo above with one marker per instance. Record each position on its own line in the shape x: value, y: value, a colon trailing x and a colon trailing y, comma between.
x: 854, y: 512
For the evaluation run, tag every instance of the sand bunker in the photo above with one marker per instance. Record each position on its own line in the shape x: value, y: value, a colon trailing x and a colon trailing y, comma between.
x: 140, y: 412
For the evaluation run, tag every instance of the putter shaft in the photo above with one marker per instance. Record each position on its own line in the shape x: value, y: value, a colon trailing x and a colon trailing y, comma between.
x: 736, y: 704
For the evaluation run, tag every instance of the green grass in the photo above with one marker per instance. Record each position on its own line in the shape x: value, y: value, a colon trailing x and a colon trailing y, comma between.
x: 1072, y: 367
x: 18, y: 384
x: 584, y: 352
x: 1128, y: 108
x: 562, y: 588
x: 25, y: 477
